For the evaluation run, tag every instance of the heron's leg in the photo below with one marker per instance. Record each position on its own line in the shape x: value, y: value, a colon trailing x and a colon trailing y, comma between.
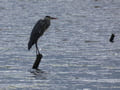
x: 37, y: 50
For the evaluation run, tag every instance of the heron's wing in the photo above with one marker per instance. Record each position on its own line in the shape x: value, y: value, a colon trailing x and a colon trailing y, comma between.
x: 37, y: 31
x: 38, y: 26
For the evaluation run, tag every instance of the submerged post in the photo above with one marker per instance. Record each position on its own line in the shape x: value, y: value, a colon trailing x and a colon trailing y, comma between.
x: 37, y: 61
x: 112, y: 38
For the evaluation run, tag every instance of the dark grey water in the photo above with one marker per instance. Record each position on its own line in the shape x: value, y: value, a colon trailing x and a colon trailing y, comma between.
x: 76, y: 48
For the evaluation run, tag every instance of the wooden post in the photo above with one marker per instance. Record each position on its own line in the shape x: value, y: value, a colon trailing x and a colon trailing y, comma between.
x: 112, y: 38
x: 37, y: 61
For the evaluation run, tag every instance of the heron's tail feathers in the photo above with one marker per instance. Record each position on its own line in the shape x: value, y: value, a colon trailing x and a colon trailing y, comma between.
x: 30, y: 45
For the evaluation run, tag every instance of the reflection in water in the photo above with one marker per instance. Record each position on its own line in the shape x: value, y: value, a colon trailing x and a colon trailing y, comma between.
x: 39, y: 74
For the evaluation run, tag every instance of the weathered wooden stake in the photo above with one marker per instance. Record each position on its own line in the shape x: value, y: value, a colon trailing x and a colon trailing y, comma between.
x: 37, y: 61
x: 112, y: 38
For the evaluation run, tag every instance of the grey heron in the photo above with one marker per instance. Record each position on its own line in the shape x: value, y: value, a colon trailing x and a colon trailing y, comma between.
x: 38, y: 30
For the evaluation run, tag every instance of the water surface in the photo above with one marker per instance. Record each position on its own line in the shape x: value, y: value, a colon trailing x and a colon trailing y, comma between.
x: 76, y: 48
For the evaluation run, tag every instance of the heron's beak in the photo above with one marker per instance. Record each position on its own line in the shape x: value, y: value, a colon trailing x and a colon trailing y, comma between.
x: 52, y: 18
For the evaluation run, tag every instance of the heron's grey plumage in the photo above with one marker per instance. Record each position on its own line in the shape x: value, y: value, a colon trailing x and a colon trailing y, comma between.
x: 38, y: 30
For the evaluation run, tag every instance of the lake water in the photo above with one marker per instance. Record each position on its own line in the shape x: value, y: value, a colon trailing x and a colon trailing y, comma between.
x: 77, y: 54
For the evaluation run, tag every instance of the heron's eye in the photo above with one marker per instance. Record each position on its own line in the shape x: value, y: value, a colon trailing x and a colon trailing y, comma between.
x: 48, y: 16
